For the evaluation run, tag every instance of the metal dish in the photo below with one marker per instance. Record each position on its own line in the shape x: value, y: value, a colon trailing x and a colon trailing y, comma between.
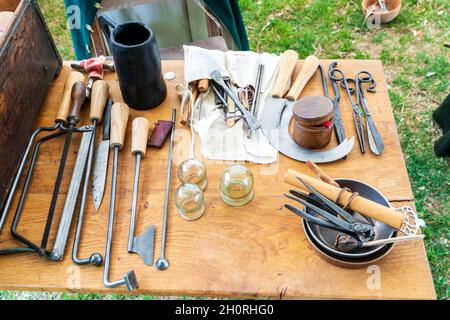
x: 325, y: 238
x: 345, y: 262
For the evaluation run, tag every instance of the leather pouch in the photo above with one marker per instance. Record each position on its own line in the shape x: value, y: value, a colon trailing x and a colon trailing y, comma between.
x: 160, y: 133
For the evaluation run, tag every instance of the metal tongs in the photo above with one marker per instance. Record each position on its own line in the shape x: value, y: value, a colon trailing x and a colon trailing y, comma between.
x: 331, y: 214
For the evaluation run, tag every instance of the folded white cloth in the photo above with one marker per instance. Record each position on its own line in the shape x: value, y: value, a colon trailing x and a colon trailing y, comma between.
x: 218, y: 140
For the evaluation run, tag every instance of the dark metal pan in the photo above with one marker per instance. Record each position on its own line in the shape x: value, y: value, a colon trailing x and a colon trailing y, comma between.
x: 343, y: 262
x: 326, y: 238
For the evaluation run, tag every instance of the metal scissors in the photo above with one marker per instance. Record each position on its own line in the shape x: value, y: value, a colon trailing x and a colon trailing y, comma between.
x: 339, y: 127
x: 330, y: 213
x: 357, y: 114
x: 376, y: 144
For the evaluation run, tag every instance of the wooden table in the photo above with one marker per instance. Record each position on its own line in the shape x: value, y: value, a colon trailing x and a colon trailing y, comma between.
x: 258, y: 250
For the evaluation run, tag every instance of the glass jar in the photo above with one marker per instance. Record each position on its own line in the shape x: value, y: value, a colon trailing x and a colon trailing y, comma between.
x: 193, y: 171
x: 189, y: 201
x: 236, y: 186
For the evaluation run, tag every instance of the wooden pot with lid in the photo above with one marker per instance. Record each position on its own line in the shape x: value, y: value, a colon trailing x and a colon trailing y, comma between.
x: 313, y: 121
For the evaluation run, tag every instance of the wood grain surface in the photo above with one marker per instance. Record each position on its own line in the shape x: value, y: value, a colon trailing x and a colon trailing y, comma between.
x: 258, y: 250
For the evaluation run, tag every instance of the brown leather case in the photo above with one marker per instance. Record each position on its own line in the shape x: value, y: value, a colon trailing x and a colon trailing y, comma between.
x: 160, y: 133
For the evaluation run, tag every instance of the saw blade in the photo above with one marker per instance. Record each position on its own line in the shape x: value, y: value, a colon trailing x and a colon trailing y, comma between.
x: 143, y: 245
x: 99, y: 175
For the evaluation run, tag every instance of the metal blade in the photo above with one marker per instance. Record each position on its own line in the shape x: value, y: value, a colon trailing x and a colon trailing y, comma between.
x: 99, y: 175
x: 275, y: 119
x: 372, y: 145
x: 143, y: 245
x: 71, y: 199
x: 375, y: 141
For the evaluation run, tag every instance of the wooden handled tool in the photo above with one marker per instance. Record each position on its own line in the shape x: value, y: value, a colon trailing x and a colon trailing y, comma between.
x: 142, y: 245
x: 99, y: 95
x: 78, y: 95
x: 309, y: 67
x: 119, y: 119
x: 141, y: 127
x: 320, y: 174
x: 362, y: 205
x: 64, y: 107
x: 286, y: 66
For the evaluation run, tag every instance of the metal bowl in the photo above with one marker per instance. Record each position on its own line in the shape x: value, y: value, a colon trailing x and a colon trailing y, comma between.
x: 345, y: 262
x: 325, y: 238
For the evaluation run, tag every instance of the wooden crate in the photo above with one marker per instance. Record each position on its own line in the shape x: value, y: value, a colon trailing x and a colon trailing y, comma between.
x: 29, y: 61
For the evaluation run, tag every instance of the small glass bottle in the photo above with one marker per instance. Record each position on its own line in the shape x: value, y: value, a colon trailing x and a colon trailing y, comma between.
x: 189, y: 201
x: 236, y: 186
x: 193, y: 171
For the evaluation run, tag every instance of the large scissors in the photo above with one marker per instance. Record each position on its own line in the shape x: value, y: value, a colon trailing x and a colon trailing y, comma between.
x: 376, y: 144
x: 337, y: 75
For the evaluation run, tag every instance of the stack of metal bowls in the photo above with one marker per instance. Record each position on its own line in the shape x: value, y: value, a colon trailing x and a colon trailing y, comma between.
x: 323, y: 240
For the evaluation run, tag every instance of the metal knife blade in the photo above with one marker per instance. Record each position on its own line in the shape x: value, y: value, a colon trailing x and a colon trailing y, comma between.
x: 101, y: 160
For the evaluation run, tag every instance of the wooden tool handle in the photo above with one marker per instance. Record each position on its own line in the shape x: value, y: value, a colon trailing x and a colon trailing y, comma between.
x: 78, y: 95
x: 119, y: 119
x: 298, y: 67
x: 99, y: 96
x: 320, y: 174
x: 203, y: 85
x: 64, y: 107
x: 359, y: 204
x: 141, y: 127
x: 286, y: 66
x: 309, y: 67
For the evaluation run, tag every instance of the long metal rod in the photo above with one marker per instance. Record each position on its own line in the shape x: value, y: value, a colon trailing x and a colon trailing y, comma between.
x: 96, y: 258
x: 130, y: 278
x: 134, y: 201
x: 256, y: 97
x: 162, y: 263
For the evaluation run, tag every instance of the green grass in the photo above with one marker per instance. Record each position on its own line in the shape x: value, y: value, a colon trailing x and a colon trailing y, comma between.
x: 417, y: 68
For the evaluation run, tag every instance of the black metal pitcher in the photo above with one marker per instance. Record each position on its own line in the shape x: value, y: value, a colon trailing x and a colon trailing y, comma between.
x: 138, y: 63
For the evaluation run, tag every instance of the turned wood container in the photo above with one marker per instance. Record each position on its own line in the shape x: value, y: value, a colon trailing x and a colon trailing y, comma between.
x: 393, y: 9
x: 313, y: 122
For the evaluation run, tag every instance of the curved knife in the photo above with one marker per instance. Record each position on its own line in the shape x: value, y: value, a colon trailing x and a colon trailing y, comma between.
x: 101, y: 159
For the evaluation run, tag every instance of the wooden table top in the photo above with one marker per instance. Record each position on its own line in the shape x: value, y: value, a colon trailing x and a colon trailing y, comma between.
x: 258, y: 250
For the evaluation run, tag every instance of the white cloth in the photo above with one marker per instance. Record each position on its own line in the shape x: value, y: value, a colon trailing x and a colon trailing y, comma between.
x: 218, y: 140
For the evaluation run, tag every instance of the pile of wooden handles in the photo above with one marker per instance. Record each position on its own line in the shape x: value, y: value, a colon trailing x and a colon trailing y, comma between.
x: 292, y: 76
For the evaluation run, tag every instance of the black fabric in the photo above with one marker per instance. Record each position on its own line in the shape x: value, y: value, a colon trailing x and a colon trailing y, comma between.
x: 442, y: 117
